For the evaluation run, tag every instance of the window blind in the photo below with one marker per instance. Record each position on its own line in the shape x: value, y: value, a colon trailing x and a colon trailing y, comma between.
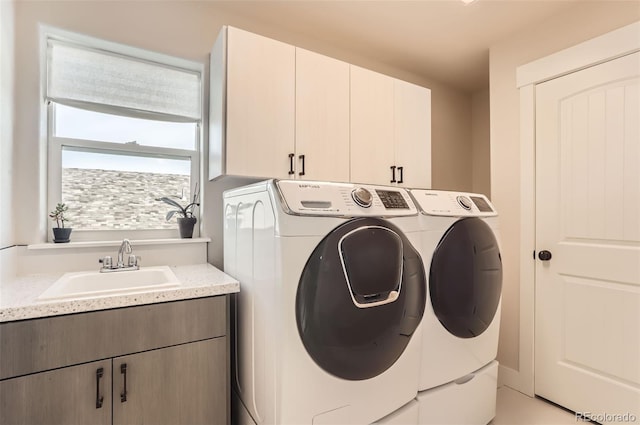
x: 107, y: 81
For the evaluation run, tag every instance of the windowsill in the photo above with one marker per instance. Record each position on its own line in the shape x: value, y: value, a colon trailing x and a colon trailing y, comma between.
x: 99, y: 244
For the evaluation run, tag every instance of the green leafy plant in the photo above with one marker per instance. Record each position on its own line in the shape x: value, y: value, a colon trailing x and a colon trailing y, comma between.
x: 57, y: 215
x: 186, y: 211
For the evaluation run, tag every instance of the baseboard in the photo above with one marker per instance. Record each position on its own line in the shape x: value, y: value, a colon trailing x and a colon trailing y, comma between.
x: 514, y: 379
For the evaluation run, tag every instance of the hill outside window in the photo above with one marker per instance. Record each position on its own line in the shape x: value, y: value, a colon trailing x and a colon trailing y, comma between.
x: 124, y: 128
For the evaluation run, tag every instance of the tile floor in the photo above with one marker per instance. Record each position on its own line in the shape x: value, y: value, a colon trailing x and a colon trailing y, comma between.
x: 514, y: 408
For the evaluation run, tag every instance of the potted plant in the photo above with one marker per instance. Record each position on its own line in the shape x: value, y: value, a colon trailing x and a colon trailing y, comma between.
x: 60, y: 234
x: 186, y: 219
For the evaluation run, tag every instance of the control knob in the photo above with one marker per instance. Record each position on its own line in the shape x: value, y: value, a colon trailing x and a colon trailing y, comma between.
x: 362, y: 197
x: 464, y: 202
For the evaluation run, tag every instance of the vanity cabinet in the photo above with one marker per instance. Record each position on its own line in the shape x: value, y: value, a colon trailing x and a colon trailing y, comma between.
x: 184, y: 384
x: 390, y: 130
x: 62, y: 396
x: 277, y: 110
x: 161, y: 363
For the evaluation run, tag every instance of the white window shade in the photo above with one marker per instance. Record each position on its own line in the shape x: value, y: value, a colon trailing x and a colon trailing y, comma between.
x: 106, y: 81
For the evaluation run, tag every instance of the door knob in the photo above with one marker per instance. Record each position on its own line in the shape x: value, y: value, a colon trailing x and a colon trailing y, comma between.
x: 544, y: 255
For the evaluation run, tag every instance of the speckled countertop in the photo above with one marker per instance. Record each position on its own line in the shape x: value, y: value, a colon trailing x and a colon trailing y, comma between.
x: 18, y: 297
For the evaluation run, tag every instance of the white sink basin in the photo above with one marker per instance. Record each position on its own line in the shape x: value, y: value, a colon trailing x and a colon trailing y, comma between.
x: 95, y: 284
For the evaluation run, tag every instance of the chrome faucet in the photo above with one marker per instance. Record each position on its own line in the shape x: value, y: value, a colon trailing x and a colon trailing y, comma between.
x: 132, y: 263
x: 125, y: 248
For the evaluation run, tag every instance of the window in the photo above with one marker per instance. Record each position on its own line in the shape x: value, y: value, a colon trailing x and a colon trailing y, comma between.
x: 124, y: 128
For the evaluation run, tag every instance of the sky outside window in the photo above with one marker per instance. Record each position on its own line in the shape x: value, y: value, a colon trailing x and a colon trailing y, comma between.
x: 88, y: 125
x: 82, y: 124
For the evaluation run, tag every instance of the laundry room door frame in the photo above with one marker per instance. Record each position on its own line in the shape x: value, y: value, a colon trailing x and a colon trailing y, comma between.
x: 612, y: 45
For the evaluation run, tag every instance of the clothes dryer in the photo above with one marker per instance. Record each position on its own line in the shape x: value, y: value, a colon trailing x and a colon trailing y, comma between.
x: 461, y: 254
x: 326, y: 325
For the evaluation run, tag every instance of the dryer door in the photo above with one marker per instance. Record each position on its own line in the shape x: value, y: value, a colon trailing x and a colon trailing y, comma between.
x: 360, y: 297
x: 465, y: 280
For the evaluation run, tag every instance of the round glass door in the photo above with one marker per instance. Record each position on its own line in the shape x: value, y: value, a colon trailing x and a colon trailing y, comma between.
x: 465, y: 279
x: 360, y: 297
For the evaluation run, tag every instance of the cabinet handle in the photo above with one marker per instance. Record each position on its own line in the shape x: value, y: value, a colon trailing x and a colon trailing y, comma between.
x: 401, y: 179
x: 291, y: 164
x: 393, y: 173
x: 302, y: 160
x: 123, y: 371
x: 99, y: 398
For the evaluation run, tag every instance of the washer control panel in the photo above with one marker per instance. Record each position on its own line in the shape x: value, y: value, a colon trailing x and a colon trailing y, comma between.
x: 453, y: 204
x: 344, y: 199
x: 392, y: 199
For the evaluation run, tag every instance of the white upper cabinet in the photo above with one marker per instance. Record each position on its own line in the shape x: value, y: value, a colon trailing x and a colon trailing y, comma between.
x: 322, y: 117
x: 390, y: 130
x: 372, y: 148
x: 252, y: 112
x: 278, y: 111
x: 412, y: 134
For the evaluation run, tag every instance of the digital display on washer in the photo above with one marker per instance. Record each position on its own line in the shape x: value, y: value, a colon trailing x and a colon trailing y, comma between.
x: 392, y: 199
x: 482, y: 205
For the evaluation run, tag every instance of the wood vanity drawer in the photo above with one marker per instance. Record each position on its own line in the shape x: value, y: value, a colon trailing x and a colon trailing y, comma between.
x: 35, y: 345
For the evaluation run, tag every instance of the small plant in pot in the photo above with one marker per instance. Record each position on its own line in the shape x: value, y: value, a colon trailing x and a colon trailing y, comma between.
x: 186, y: 219
x: 60, y: 234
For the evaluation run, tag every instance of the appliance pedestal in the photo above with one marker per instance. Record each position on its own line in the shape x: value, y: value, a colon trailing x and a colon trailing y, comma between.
x: 470, y: 400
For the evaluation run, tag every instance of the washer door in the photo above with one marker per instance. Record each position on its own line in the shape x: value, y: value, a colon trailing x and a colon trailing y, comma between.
x: 465, y: 280
x: 360, y: 297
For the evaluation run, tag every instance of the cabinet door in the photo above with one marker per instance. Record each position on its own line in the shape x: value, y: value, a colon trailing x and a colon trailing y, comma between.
x: 184, y: 384
x: 412, y: 134
x: 71, y: 395
x: 322, y: 117
x: 371, y: 126
x: 260, y: 110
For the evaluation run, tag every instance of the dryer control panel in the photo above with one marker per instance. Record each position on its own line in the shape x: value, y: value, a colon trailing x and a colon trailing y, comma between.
x: 344, y: 199
x: 453, y: 204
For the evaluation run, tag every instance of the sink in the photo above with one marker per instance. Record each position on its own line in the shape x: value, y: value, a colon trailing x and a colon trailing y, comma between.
x: 95, y: 284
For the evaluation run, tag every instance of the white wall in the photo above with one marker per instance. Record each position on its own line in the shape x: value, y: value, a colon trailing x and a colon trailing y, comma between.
x: 7, y: 212
x: 480, y: 143
x: 581, y: 22
x: 451, y: 146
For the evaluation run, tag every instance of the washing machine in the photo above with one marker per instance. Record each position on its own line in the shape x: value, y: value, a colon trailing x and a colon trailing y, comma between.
x: 325, y: 329
x: 461, y: 253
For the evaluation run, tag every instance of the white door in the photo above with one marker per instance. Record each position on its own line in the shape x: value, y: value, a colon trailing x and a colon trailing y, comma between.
x: 322, y: 117
x: 587, y: 310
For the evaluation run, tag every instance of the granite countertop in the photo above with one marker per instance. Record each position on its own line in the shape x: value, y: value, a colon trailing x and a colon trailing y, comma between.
x: 18, y: 297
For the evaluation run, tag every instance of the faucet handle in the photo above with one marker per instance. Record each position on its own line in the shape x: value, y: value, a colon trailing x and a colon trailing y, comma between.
x: 133, y: 260
x: 107, y: 262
